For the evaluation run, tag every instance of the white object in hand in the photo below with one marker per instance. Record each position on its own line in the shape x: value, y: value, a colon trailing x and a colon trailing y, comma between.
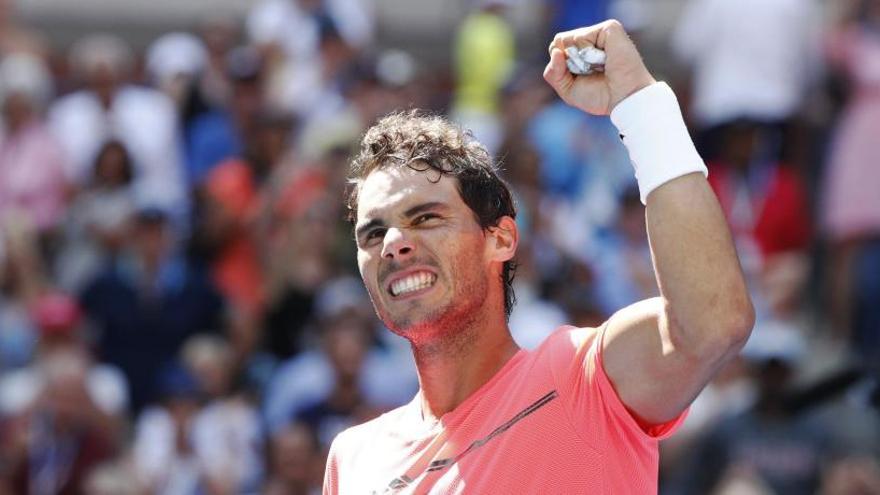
x: 585, y: 61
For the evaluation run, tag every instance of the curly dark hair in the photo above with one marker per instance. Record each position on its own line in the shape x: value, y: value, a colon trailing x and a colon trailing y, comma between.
x: 423, y: 142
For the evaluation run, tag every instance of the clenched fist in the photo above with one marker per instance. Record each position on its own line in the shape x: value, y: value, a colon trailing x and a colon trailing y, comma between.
x: 598, y: 93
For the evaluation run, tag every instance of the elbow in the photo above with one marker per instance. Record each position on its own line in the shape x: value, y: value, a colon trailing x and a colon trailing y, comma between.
x: 733, y: 325
x: 720, y: 333
x: 738, y: 323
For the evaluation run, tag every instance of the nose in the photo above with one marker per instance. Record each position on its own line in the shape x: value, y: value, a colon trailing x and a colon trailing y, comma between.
x: 397, y: 246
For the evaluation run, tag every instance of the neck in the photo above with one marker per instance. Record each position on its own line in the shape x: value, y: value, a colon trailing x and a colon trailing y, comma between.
x: 453, y: 367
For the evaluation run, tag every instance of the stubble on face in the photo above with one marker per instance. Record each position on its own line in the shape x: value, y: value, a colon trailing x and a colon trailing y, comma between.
x: 447, y: 328
x: 441, y: 322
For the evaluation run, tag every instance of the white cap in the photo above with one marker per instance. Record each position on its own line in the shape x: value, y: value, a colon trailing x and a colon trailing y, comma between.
x: 26, y: 75
x: 176, y: 54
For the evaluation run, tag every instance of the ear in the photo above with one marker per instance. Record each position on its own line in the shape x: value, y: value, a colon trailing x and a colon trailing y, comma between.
x: 502, y: 240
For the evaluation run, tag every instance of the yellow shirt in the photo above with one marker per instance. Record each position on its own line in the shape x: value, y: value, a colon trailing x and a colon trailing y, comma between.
x: 484, y: 57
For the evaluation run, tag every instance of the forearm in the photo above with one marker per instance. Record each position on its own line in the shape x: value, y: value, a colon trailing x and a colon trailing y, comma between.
x: 698, y: 272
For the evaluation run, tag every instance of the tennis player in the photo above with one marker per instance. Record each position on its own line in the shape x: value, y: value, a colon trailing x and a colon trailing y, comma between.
x: 583, y: 413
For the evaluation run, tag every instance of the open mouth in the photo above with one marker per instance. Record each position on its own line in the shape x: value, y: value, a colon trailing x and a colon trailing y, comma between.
x: 412, y: 283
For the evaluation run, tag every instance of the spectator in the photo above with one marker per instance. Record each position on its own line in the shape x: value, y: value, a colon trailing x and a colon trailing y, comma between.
x: 622, y: 261
x: 162, y: 451
x: 223, y: 133
x: 226, y: 433
x: 276, y: 21
x: 484, y: 56
x: 851, y: 205
x: 300, y: 234
x: 22, y: 280
x: 299, y: 37
x: 99, y: 218
x: 738, y: 74
x: 174, y: 62
x: 59, y: 321
x: 219, y: 34
x: 109, y: 107
x: 225, y: 236
x: 297, y: 462
x: 385, y: 376
x: 61, y: 439
x: 15, y: 38
x: 770, y: 444
x: 346, y: 346
x: 147, y: 303
x: 31, y: 160
x: 583, y: 170
x: 765, y: 203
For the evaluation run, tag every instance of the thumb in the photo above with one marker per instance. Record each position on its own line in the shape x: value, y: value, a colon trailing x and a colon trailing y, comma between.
x: 557, y: 75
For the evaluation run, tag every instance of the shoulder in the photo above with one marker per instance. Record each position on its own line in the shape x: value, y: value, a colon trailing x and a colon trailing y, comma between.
x: 73, y: 105
x: 568, y: 340
x: 141, y: 95
x: 569, y: 354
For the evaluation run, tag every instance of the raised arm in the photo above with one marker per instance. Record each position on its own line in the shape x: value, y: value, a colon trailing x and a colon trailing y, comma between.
x: 659, y: 353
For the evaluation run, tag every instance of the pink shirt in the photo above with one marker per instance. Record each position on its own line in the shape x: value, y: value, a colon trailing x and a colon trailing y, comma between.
x: 548, y: 422
x: 32, y: 175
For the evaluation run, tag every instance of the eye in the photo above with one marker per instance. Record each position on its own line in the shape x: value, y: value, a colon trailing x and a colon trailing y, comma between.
x: 424, y: 218
x: 375, y: 234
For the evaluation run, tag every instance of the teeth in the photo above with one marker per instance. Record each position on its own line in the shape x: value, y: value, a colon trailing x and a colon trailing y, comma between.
x: 411, y: 283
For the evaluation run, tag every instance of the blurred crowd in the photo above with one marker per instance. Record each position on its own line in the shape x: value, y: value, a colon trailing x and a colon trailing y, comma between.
x: 180, y: 308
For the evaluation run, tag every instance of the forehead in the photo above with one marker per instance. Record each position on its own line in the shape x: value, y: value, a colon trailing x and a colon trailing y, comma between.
x: 393, y: 189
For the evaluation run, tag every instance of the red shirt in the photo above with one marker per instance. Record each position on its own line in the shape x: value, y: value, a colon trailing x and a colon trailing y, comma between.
x: 770, y: 206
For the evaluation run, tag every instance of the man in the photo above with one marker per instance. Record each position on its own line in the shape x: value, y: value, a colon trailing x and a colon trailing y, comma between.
x: 582, y: 413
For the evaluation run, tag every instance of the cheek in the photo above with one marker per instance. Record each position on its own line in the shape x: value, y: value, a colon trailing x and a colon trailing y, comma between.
x: 366, y: 267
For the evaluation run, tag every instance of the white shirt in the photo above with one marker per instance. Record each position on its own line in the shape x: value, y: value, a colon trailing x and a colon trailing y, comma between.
x: 105, y: 384
x: 751, y: 58
x: 144, y: 120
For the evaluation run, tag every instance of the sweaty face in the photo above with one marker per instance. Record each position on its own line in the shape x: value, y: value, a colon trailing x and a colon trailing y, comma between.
x: 421, y: 253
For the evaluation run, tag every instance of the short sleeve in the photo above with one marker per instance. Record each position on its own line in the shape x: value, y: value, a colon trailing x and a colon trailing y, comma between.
x: 592, y: 404
x: 609, y: 395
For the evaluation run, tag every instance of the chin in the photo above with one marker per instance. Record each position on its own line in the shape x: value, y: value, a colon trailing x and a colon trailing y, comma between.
x: 434, y: 326
x: 414, y: 328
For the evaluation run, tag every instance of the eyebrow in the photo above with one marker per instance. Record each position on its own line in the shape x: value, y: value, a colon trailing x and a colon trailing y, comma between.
x: 409, y: 213
x: 363, y: 229
x: 423, y: 207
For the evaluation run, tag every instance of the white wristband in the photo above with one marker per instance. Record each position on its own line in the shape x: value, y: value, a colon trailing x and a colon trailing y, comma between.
x: 653, y: 130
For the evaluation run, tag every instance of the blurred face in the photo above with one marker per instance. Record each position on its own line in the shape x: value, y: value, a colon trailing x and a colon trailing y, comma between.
x: 293, y: 454
x: 16, y: 110
x: 103, y: 80
x: 740, y: 145
x: 66, y: 391
x: 422, y: 254
x: 346, y: 347
x: 152, y: 240
x: 213, y: 375
x: 111, y: 167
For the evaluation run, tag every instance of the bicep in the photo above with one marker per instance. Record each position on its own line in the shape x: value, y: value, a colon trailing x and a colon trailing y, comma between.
x: 655, y: 378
